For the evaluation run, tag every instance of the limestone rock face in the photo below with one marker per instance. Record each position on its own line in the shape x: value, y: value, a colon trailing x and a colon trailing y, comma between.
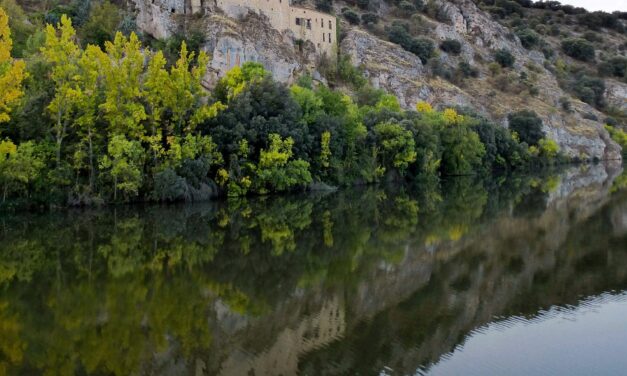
x: 156, y: 19
x: 232, y: 43
x: 616, y: 94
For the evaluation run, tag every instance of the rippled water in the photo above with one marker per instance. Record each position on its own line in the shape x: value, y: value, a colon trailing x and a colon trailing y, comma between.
x: 518, y: 275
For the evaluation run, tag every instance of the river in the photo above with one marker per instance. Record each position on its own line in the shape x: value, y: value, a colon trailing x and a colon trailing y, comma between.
x: 512, y: 275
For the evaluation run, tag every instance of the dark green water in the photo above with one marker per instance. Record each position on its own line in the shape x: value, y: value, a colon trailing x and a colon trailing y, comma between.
x: 524, y: 275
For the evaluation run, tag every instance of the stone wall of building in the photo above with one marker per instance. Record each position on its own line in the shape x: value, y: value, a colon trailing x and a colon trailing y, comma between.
x: 305, y: 24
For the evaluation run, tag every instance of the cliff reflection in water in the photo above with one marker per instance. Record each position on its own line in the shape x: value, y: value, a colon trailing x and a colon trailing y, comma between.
x: 340, y: 283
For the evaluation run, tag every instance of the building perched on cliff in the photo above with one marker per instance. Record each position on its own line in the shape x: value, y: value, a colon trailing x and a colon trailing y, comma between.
x: 306, y: 25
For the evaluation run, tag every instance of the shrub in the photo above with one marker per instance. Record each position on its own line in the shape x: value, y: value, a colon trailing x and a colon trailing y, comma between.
x: 363, y: 4
x: 528, y: 125
x: 502, y: 150
x: 509, y: 7
x: 578, y: 48
x: 351, y: 16
x: 324, y: 5
x: 616, y: 66
x: 528, y: 38
x: 548, y: 148
x: 451, y: 46
x: 168, y: 186
x: 590, y: 90
x: 466, y: 70
x: 494, y: 68
x: 462, y: 150
x: 423, y: 48
x: 369, y: 18
x: 397, y: 145
x: 407, y: 7
x: 347, y: 72
x: 619, y: 136
x: 504, y: 58
x: 398, y: 33
x: 597, y: 20
x: 565, y: 104
x: 277, y: 171
x: 591, y: 36
x: 102, y: 24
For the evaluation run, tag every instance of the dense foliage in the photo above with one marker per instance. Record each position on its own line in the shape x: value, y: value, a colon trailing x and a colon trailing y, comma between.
x: 119, y: 123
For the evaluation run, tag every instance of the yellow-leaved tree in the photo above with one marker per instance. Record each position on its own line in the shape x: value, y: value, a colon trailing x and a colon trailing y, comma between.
x: 12, y: 72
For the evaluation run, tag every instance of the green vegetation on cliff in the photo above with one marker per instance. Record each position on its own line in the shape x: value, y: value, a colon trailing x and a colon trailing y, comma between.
x: 88, y: 125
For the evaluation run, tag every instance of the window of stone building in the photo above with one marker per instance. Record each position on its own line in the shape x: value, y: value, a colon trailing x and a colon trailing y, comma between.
x: 298, y: 21
x: 330, y: 27
x: 309, y: 23
x: 324, y: 40
x: 329, y: 37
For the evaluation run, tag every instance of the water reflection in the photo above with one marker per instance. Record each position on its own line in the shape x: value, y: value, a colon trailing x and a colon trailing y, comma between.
x: 348, y: 282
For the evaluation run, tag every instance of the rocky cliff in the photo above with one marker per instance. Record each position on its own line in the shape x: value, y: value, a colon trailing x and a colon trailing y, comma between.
x: 578, y: 129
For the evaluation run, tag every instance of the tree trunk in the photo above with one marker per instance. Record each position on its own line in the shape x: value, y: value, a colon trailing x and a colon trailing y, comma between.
x: 91, y: 163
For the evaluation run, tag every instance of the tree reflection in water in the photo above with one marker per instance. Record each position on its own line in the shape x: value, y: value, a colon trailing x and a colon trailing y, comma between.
x: 344, y: 282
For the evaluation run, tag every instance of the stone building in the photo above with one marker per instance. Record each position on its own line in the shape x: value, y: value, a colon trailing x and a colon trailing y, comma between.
x: 304, y: 24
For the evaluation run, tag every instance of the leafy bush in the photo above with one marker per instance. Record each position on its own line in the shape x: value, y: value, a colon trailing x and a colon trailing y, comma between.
x: 451, y: 46
x: 363, y: 4
x: 589, y: 89
x: 407, y: 7
x: 102, y: 24
x: 422, y: 47
x: 350, y: 16
x: 528, y: 125
x: 599, y: 19
x: 578, y: 48
x: 619, y: 136
x: 504, y: 58
x: 528, y: 37
x: 277, y: 171
x: 548, y: 148
x: 509, y: 7
x: 397, y: 145
x: 168, y: 186
x: 502, y: 150
x: 466, y: 70
x: 324, y: 5
x: 369, y: 18
x: 615, y: 66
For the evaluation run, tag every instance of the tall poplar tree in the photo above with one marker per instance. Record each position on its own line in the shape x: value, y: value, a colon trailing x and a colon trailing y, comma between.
x: 62, y: 52
x: 12, y: 72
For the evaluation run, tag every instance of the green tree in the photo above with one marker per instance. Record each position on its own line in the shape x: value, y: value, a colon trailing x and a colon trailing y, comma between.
x: 462, y: 150
x: 12, y: 73
x: 19, y: 166
x: 277, y: 171
x: 124, y: 163
x: 504, y: 57
x: 89, y: 66
x: 186, y: 94
x: 578, y: 48
x: 63, y: 54
x: 528, y: 125
x: 397, y: 146
x: 122, y: 69
x: 102, y: 23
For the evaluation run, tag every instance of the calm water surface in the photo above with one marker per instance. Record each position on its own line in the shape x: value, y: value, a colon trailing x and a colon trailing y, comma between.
x: 517, y: 276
